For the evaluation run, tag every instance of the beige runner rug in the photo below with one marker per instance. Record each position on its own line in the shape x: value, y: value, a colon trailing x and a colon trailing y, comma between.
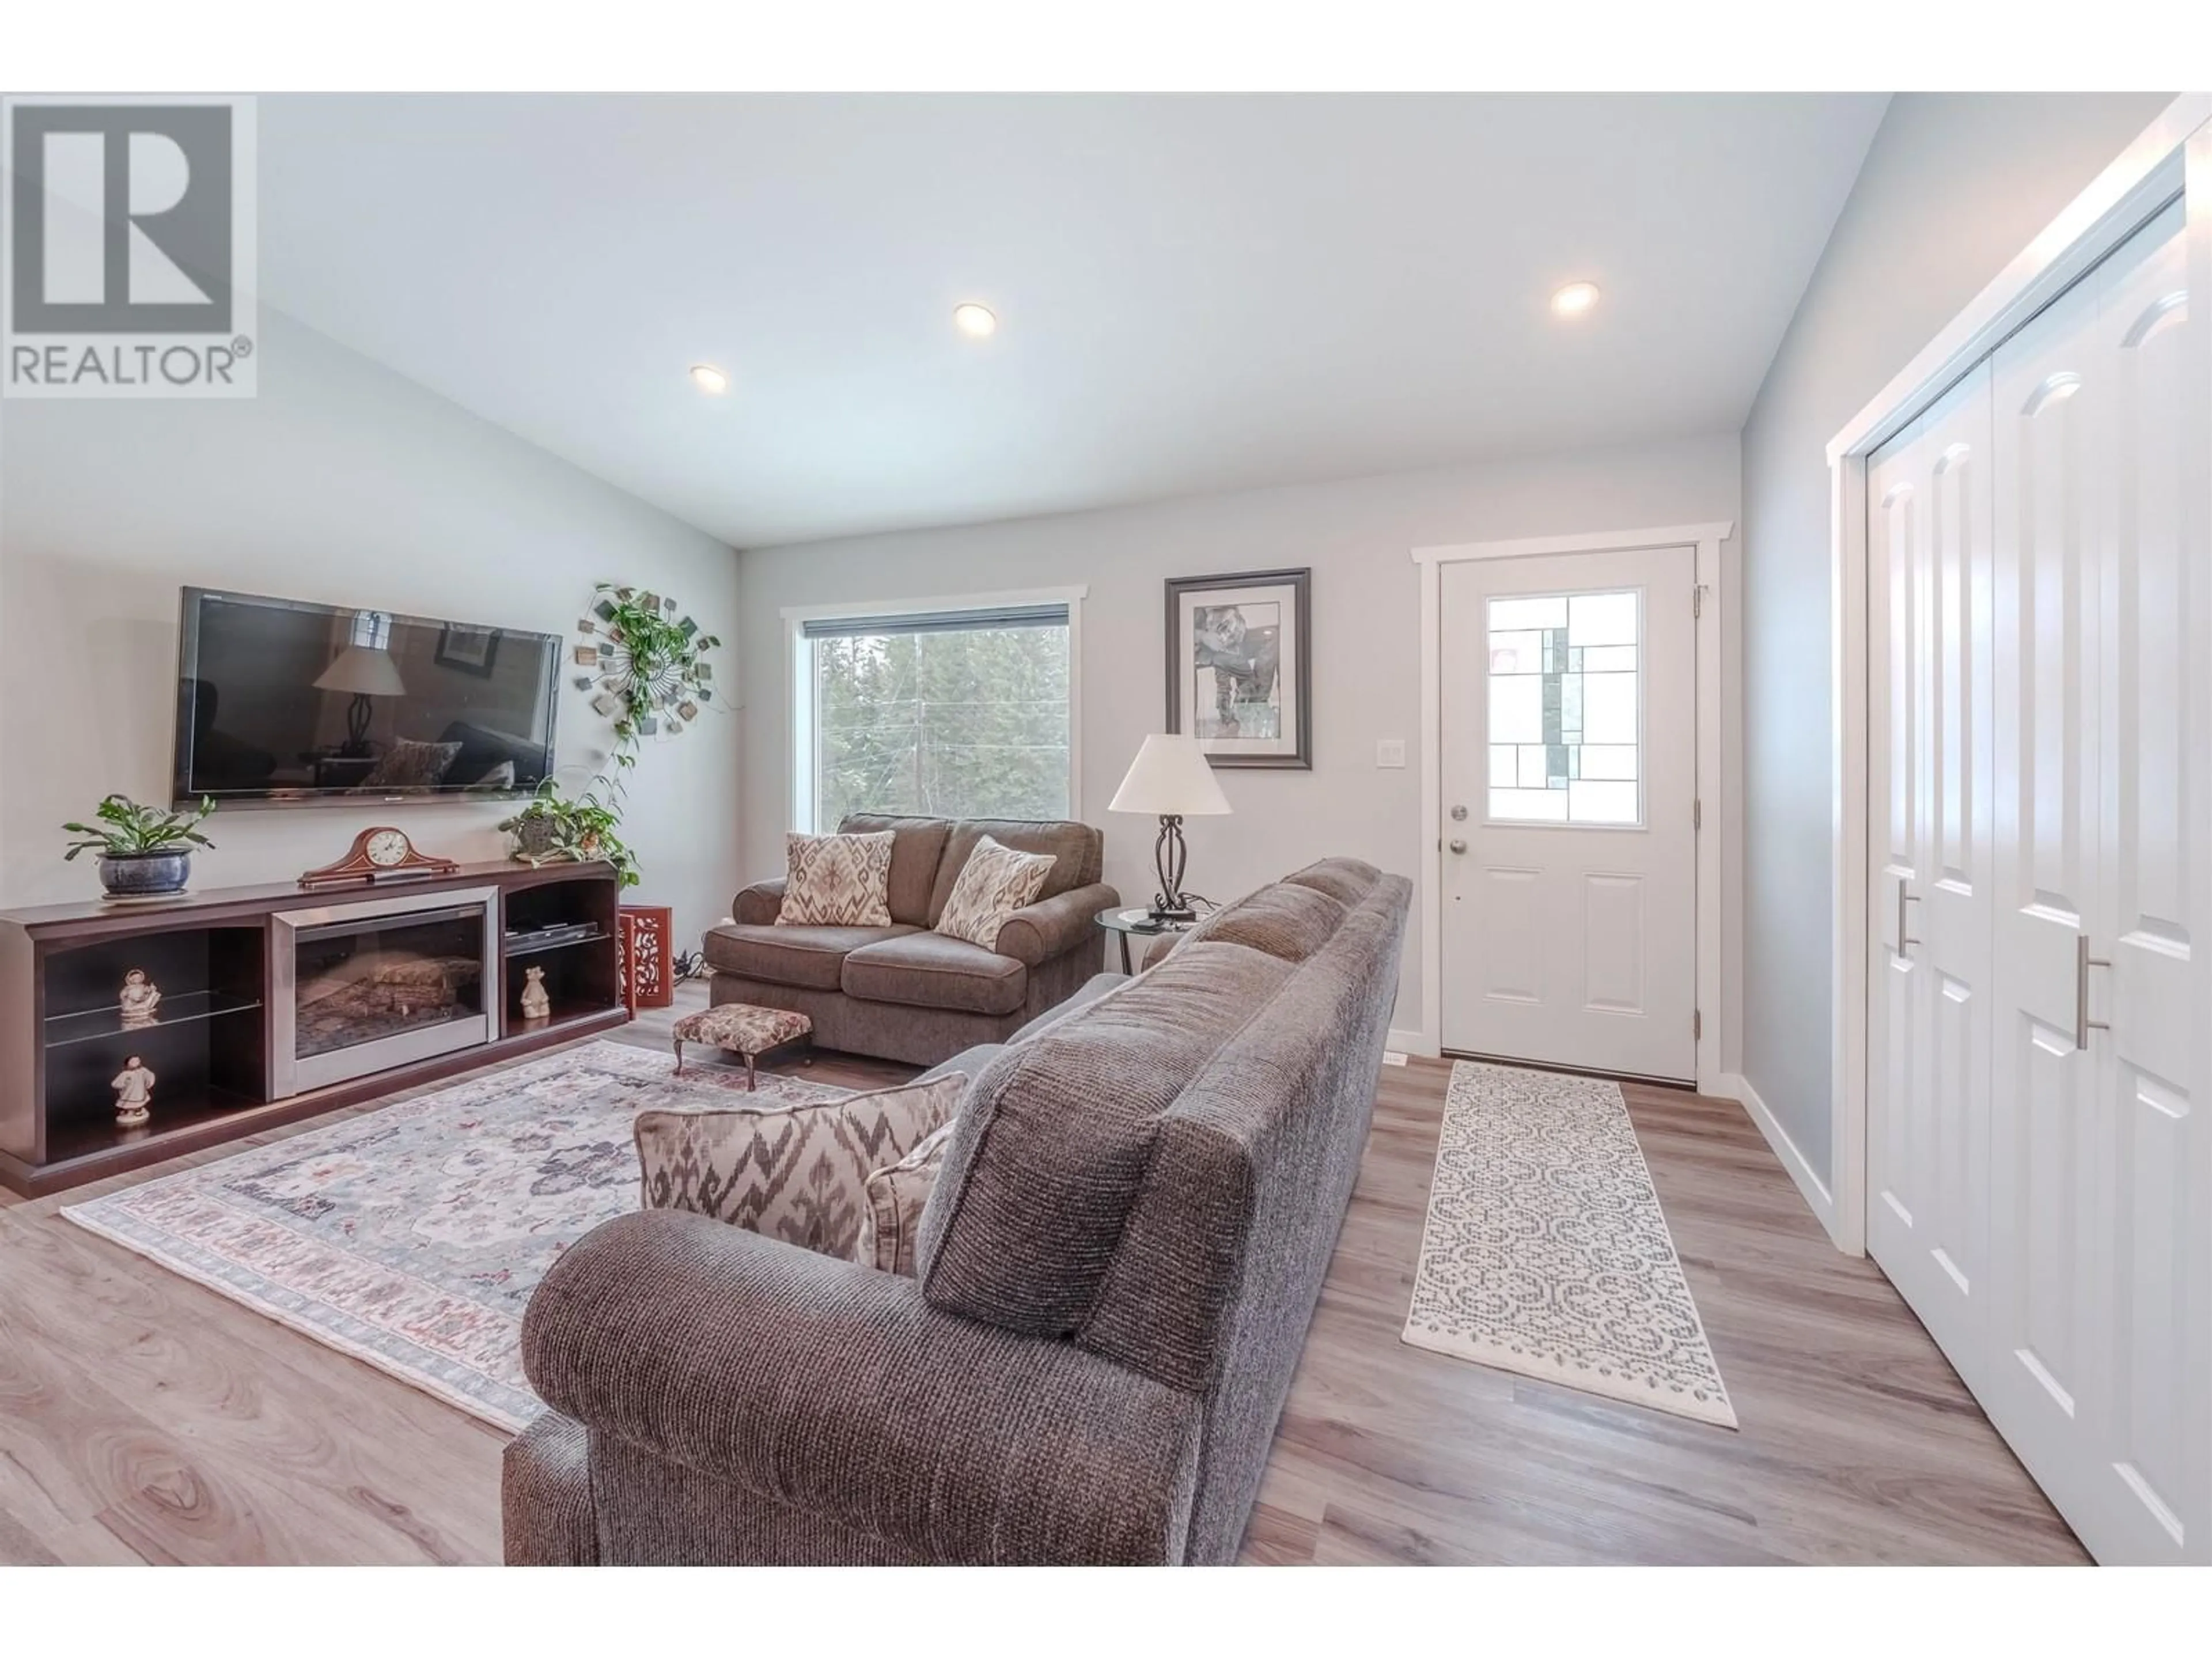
x: 1546, y: 1252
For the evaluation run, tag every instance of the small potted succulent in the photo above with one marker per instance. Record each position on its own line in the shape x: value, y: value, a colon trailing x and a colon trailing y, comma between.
x: 145, y: 852
x: 551, y: 829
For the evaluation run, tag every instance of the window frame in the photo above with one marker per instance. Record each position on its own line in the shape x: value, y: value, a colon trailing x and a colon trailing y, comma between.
x: 802, y: 750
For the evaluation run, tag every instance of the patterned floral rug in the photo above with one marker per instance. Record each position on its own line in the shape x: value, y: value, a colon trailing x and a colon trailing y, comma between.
x: 1546, y: 1252
x: 412, y: 1237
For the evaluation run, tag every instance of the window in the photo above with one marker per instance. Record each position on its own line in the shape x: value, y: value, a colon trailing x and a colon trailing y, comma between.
x: 1566, y: 710
x: 951, y: 713
x: 371, y: 630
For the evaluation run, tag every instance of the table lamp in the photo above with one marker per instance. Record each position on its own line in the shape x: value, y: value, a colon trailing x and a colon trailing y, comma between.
x: 1171, y: 777
x: 367, y: 672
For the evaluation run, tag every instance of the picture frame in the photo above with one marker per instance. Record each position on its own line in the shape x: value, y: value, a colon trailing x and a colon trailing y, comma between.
x: 1240, y: 666
x: 469, y: 650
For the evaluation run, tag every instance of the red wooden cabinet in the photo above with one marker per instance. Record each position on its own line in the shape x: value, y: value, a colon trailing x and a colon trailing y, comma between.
x: 648, y: 964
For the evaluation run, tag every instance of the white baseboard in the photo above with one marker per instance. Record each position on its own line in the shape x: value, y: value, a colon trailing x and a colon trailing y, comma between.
x: 1412, y: 1042
x: 1818, y: 1197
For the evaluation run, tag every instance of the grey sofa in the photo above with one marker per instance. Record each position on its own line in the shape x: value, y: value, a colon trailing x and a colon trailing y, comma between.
x: 904, y: 992
x: 1117, y: 1268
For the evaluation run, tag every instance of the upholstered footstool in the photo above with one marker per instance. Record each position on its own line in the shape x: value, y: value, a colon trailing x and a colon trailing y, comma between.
x: 742, y: 1028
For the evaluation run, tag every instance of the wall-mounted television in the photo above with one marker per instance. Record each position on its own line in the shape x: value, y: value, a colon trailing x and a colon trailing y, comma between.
x: 282, y: 701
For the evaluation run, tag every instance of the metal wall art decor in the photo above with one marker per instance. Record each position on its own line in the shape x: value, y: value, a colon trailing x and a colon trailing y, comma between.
x: 1240, y: 666
x: 646, y: 665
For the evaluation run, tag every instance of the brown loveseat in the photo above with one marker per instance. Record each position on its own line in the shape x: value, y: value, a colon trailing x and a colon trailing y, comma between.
x: 903, y: 992
x: 1116, y: 1269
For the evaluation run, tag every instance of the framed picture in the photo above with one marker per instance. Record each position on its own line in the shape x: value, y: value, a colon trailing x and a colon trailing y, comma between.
x: 1240, y: 666
x: 469, y: 649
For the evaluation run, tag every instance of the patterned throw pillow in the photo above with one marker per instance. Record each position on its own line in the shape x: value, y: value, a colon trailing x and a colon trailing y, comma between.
x: 409, y: 765
x: 895, y: 1196
x: 837, y: 881
x: 994, y: 883
x: 795, y: 1173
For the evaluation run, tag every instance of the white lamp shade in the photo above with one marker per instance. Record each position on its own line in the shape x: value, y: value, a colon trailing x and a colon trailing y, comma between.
x: 1170, y: 777
x: 365, y: 671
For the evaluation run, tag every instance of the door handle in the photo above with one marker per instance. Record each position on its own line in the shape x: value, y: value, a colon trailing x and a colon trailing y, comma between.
x: 1904, y: 898
x: 1458, y: 846
x: 2083, y: 962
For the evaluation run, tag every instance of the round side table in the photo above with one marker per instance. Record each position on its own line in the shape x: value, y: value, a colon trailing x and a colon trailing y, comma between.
x: 1124, y: 919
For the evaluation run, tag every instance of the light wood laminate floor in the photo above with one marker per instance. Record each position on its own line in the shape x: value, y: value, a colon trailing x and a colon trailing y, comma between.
x: 143, y: 1418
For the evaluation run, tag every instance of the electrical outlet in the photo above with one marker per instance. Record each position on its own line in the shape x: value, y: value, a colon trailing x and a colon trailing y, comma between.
x: 1392, y: 1057
x: 1390, y: 751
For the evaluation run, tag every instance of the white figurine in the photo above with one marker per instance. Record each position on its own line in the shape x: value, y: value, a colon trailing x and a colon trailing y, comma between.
x: 139, y: 998
x: 536, y: 1004
x: 134, y: 1094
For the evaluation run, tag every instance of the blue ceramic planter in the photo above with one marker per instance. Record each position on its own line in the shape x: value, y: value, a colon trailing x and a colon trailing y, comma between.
x: 145, y: 875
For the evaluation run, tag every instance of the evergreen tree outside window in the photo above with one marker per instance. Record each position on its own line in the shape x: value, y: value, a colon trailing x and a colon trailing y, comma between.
x: 949, y: 714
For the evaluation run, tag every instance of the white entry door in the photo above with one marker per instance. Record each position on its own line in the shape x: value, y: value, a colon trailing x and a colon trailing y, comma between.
x: 1569, y: 782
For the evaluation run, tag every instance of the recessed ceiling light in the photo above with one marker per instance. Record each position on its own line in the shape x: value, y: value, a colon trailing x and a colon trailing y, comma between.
x: 707, y: 378
x: 973, y: 319
x: 1574, y: 298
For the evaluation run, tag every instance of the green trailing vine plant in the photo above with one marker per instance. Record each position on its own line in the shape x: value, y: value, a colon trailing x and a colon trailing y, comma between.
x: 127, y: 829
x: 646, y: 665
x: 554, y: 828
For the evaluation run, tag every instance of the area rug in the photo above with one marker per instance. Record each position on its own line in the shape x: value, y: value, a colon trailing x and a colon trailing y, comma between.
x: 1546, y: 1252
x: 411, y: 1237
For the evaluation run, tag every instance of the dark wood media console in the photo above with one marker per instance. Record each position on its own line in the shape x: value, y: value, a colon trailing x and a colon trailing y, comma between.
x: 231, y: 982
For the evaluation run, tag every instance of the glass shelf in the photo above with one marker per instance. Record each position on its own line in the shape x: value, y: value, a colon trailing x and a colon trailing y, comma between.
x: 181, y: 1008
x: 522, y: 944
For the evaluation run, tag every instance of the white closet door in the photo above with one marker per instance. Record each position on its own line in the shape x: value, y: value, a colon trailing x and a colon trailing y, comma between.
x: 2049, y: 1208
x: 2157, y: 998
x: 2102, y: 1178
x: 1930, y: 540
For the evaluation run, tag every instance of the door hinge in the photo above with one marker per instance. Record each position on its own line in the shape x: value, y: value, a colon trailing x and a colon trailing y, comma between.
x: 1697, y: 600
x: 1697, y: 1026
x: 1697, y: 815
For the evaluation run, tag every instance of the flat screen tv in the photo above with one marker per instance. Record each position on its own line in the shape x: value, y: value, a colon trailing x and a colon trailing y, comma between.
x: 282, y: 701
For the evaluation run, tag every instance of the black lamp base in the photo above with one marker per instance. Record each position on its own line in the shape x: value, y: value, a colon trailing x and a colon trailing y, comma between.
x: 1169, y: 904
x: 359, y: 713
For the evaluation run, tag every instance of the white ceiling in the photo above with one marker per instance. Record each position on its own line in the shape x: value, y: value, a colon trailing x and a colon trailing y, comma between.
x: 1195, y: 293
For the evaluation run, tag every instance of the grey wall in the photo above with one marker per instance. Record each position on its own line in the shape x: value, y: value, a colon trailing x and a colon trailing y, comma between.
x: 1954, y: 187
x: 1357, y: 535
x: 343, y: 482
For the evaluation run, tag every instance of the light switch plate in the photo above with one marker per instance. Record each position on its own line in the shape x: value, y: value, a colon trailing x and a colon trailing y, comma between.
x: 1390, y: 751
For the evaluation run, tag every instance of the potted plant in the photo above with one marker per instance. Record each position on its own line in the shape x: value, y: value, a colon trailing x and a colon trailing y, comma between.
x: 551, y: 829
x: 144, y: 851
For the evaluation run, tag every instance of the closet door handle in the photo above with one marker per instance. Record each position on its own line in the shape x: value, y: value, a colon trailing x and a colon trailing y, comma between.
x: 1904, y: 898
x: 2083, y: 962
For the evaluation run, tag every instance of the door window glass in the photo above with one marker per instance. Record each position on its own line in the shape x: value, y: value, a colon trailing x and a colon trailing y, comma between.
x: 1566, y: 709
